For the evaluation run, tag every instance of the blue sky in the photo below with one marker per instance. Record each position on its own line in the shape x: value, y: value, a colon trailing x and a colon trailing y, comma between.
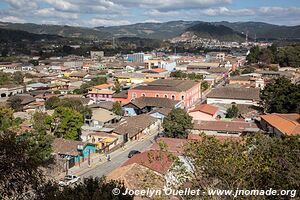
x: 91, y: 13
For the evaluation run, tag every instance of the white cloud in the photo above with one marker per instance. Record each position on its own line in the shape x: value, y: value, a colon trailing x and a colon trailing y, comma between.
x: 106, y: 22
x: 51, y: 12
x: 12, y: 19
x: 168, y: 5
x: 223, y: 11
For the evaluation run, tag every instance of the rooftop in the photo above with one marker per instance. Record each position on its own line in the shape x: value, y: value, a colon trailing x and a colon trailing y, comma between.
x: 155, y: 160
x: 205, y: 108
x: 235, y: 93
x: 154, y: 102
x: 66, y: 147
x: 134, y: 125
x: 225, y: 126
x: 168, y: 85
x: 287, y: 123
x: 174, y: 145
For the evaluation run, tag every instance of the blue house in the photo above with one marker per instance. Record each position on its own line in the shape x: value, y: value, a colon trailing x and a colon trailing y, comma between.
x: 75, y: 152
x: 160, y: 113
x: 144, y: 105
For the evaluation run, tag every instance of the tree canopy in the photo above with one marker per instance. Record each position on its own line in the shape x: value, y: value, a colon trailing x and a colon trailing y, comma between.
x: 74, y: 103
x: 66, y: 122
x: 182, y: 75
x: 232, y: 112
x: 15, y: 102
x: 117, y: 108
x: 84, y: 87
x: 177, y: 123
x: 21, y: 176
x: 284, y: 56
x: 281, y: 96
x: 260, y: 163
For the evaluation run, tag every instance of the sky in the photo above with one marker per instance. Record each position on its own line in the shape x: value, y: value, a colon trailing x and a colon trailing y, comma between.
x: 93, y: 13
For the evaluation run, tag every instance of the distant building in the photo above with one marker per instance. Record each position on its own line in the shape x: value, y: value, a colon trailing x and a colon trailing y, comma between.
x: 136, y: 57
x: 97, y: 54
x: 167, y: 65
x: 10, y: 90
x: 102, y: 92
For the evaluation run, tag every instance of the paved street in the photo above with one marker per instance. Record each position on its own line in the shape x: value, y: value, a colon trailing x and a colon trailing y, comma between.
x: 118, y: 157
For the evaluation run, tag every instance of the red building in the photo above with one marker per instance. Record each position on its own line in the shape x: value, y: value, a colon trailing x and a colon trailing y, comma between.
x: 184, y: 90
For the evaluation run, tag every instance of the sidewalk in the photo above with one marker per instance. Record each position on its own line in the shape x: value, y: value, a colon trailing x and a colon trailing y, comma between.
x: 95, y: 160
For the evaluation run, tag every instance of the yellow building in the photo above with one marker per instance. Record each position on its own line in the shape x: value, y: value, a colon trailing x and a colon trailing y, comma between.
x: 104, y: 141
x: 137, y: 78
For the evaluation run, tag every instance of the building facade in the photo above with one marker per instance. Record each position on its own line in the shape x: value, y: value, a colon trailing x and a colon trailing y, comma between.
x: 183, y: 90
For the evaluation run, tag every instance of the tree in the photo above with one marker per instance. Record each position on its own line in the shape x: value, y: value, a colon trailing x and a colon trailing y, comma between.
x: 281, y: 96
x: 248, y: 70
x: 252, y: 57
x: 22, y: 178
x: 117, y: 108
x: 84, y: 87
x: 6, y: 118
x: 20, y: 173
x: 266, y: 56
x: 260, y: 163
x: 34, y: 62
x: 18, y: 77
x: 66, y: 123
x: 235, y: 73
x: 15, y: 103
x: 204, y: 86
x: 52, y: 103
x: 177, y: 123
x: 232, y: 112
x: 117, y: 87
x: 39, y: 138
x: 76, y: 104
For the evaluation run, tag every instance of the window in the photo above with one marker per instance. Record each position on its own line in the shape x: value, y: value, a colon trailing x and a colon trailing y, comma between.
x: 173, y: 97
x: 157, y: 95
x: 134, y: 95
x: 182, y: 97
x: 143, y: 95
x: 166, y: 96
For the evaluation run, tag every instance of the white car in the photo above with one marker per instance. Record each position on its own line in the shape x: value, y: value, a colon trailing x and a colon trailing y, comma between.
x: 69, y: 180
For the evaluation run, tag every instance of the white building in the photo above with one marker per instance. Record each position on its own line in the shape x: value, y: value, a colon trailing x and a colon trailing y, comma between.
x: 230, y: 95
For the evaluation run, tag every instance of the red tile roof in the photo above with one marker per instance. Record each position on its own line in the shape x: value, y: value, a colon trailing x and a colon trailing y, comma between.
x: 205, y: 108
x: 155, y: 160
x: 174, y: 145
x: 158, y: 70
x: 287, y: 123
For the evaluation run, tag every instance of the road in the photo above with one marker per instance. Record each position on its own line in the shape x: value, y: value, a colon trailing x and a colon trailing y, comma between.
x: 118, y: 157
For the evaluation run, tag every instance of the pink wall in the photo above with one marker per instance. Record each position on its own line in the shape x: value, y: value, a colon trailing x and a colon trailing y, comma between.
x: 190, y: 96
x: 197, y: 115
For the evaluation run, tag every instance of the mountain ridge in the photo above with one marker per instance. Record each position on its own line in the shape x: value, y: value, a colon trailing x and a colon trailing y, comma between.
x: 160, y: 31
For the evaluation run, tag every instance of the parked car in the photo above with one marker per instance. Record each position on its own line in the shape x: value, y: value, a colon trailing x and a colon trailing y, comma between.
x: 132, y: 153
x: 68, y: 180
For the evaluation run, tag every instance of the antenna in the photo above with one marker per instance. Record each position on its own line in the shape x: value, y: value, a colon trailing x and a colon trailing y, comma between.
x: 247, y: 36
x: 113, y: 42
